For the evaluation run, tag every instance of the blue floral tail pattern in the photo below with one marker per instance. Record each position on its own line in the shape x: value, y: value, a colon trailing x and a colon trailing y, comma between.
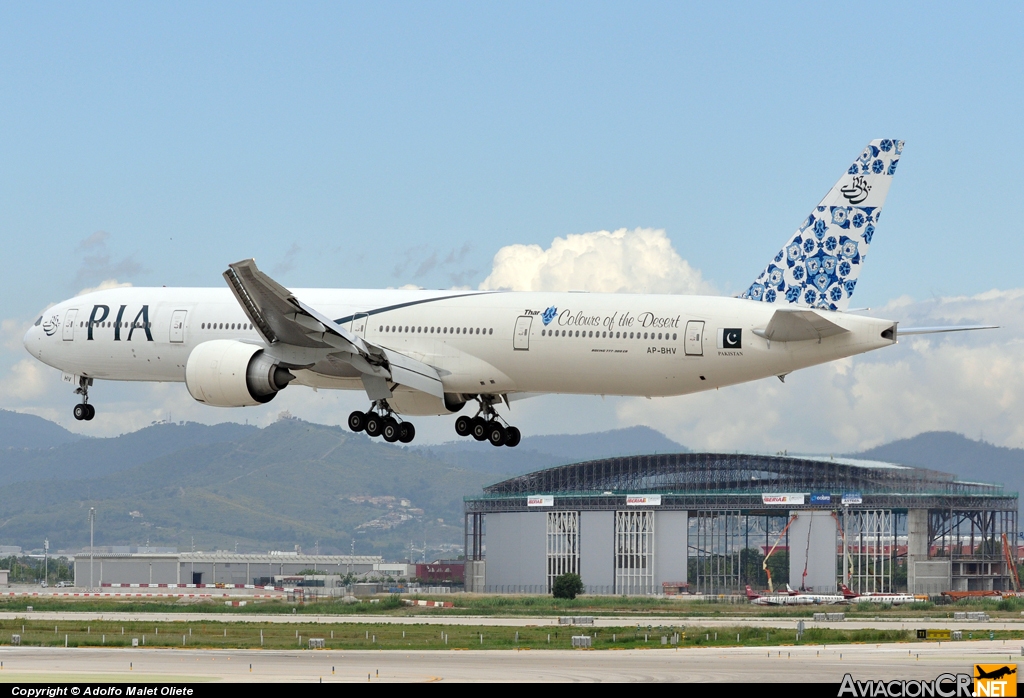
x: 819, y: 266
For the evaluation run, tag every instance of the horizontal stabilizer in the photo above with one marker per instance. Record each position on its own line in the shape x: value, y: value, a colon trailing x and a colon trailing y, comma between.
x: 797, y: 326
x: 936, y: 330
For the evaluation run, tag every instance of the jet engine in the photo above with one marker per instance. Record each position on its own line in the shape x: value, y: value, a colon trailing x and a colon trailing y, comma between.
x: 227, y: 373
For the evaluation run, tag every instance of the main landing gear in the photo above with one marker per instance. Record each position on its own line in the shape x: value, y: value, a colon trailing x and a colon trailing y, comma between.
x: 485, y: 426
x: 381, y: 423
x: 83, y: 410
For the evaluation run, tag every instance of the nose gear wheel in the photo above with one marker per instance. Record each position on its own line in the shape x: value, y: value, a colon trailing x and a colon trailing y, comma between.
x: 84, y: 411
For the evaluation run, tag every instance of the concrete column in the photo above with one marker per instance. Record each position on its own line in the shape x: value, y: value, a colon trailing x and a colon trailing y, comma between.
x: 476, y: 575
x: 812, y: 548
x: 597, y: 551
x: 671, y: 549
x: 917, y: 546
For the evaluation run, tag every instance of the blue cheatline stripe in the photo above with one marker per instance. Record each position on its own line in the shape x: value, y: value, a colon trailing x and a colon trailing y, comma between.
x: 375, y: 311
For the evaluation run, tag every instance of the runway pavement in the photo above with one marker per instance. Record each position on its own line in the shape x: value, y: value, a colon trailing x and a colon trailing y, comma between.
x: 696, y: 664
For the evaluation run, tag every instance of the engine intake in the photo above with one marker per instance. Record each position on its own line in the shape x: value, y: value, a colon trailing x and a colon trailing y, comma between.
x: 227, y: 373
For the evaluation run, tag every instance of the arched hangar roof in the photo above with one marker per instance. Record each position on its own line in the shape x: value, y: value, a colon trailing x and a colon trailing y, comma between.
x: 696, y: 473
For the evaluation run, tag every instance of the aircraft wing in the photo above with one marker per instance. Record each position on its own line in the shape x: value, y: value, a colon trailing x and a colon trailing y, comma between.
x: 281, y: 318
x: 789, y: 325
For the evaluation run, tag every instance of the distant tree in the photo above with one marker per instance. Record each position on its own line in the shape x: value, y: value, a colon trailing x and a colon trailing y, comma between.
x: 567, y: 586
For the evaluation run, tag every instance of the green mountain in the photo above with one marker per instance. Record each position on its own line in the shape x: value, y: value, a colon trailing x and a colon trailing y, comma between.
x: 80, y: 458
x: 290, y: 483
x: 955, y: 453
x: 18, y: 430
x: 538, y: 452
x: 296, y: 483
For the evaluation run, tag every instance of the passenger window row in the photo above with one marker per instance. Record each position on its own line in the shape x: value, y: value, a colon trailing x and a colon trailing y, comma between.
x: 409, y: 329
x: 226, y: 326
x: 607, y: 335
x: 126, y: 325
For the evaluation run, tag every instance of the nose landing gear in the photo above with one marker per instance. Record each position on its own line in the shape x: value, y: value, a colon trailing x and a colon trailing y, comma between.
x: 487, y: 426
x: 381, y: 423
x: 83, y: 410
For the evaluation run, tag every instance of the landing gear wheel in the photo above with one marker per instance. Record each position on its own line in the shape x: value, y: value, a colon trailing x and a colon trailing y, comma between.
x: 463, y: 425
x: 391, y: 430
x: 357, y: 421
x: 478, y: 428
x: 512, y: 437
x: 496, y: 434
x: 407, y: 432
x: 83, y: 410
x: 374, y: 425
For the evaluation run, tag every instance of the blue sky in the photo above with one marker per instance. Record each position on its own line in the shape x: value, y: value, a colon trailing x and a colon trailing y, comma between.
x: 383, y: 144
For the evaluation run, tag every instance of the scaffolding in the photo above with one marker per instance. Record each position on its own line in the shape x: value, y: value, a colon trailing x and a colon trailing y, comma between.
x: 634, y: 552
x: 870, y: 550
x: 717, y: 540
x: 563, y: 544
x: 971, y: 541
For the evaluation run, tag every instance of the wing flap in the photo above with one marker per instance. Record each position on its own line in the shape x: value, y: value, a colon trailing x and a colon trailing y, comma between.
x: 798, y: 325
x: 415, y: 375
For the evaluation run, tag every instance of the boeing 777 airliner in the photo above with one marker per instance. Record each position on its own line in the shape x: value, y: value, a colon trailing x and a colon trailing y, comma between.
x: 417, y: 352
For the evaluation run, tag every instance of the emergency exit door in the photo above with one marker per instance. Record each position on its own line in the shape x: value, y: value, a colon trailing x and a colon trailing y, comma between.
x: 178, y: 326
x: 69, y: 324
x: 358, y: 324
x: 521, y: 338
x: 693, y: 343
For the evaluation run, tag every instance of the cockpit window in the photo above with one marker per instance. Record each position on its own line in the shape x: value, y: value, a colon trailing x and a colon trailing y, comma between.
x: 39, y: 321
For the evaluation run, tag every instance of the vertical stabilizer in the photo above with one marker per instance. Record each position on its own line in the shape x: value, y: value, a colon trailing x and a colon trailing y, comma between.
x: 819, y: 266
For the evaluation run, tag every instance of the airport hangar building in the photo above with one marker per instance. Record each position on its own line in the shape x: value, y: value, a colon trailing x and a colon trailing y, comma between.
x: 650, y: 524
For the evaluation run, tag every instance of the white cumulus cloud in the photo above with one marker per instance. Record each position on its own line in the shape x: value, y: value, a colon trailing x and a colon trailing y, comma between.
x: 625, y: 261
x: 27, y: 380
x: 12, y: 332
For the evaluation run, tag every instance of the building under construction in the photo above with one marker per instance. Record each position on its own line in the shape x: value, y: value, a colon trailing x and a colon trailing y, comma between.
x: 711, y: 523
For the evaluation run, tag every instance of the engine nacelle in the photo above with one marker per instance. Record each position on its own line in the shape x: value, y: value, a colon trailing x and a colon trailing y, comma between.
x: 226, y: 373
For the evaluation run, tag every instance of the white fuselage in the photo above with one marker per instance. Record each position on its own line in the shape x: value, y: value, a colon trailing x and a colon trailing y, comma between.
x: 479, y: 342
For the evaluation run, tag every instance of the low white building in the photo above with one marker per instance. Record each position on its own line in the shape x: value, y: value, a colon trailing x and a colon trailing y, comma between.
x: 211, y: 568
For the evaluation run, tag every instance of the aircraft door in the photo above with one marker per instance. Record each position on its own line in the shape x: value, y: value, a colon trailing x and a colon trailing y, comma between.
x: 69, y: 324
x: 521, y: 338
x: 693, y: 342
x: 358, y: 324
x: 178, y: 326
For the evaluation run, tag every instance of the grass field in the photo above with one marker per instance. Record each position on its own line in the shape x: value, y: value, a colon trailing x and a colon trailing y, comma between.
x: 384, y: 636
x: 511, y: 606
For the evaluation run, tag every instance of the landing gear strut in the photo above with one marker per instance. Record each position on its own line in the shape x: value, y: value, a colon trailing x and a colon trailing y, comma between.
x: 83, y: 410
x: 381, y: 422
x: 487, y: 426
